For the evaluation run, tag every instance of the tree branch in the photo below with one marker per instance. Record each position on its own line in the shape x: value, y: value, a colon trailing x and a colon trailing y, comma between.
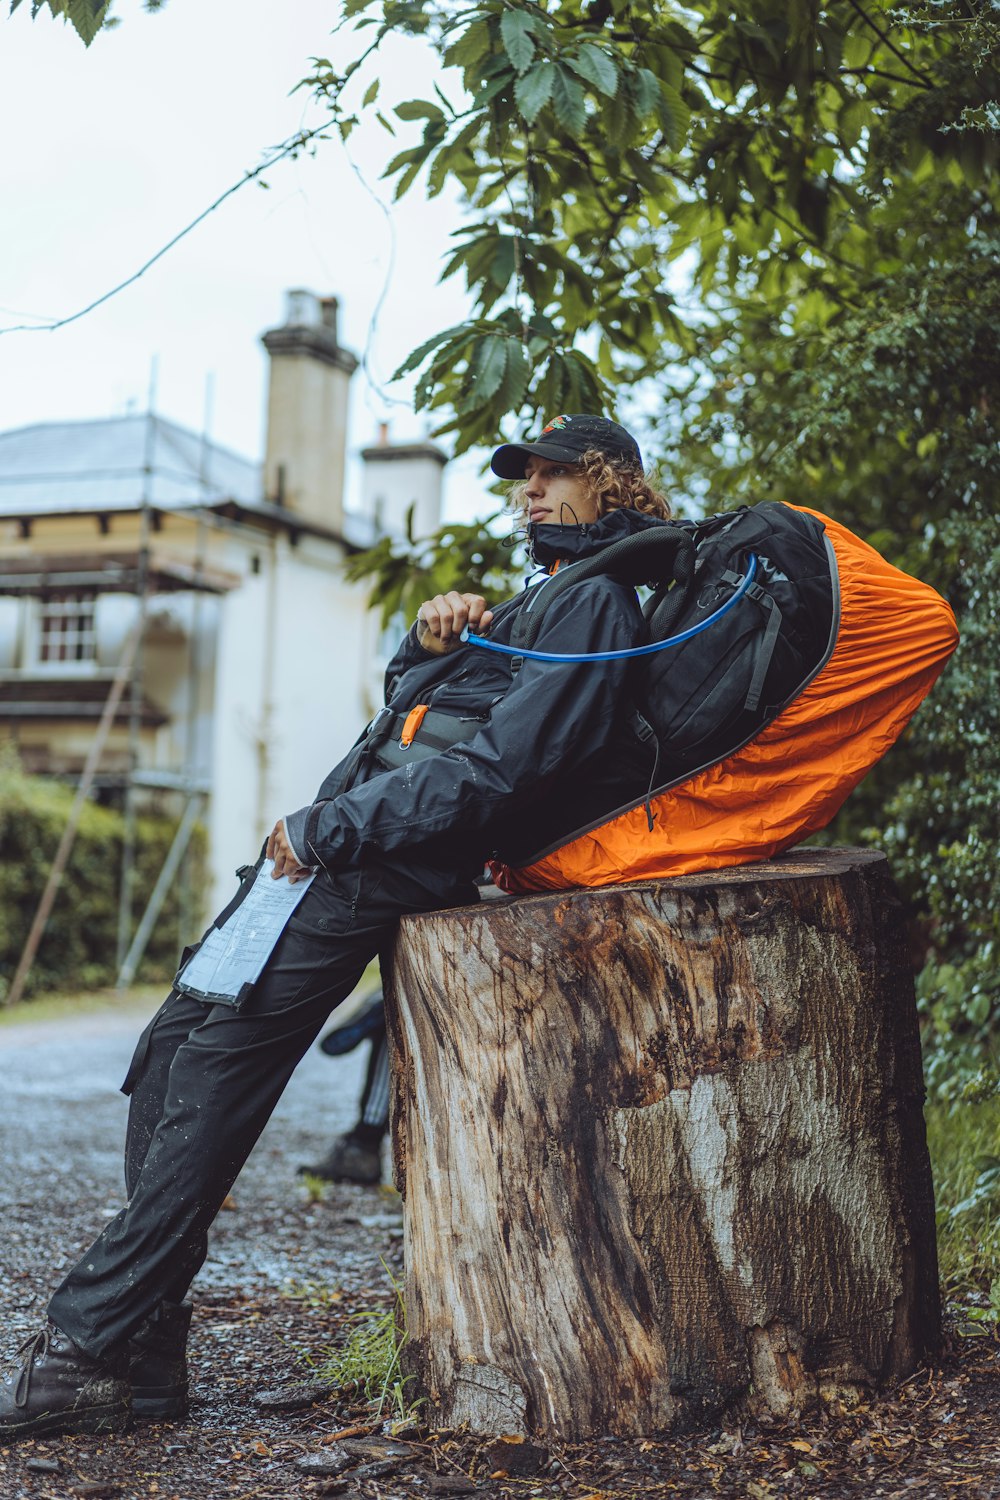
x: 884, y: 38
x: 909, y: 83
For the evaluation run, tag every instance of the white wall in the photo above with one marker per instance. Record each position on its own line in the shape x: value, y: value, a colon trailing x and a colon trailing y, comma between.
x: 392, y: 483
x: 291, y: 695
x: 11, y: 631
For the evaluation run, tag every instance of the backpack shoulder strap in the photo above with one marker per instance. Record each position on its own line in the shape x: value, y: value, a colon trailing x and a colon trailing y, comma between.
x: 659, y: 555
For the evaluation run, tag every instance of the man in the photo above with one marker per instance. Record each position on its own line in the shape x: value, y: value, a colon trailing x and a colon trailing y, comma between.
x: 465, y: 759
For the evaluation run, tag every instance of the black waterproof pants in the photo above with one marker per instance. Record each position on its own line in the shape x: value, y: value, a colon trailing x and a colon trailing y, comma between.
x: 203, y: 1083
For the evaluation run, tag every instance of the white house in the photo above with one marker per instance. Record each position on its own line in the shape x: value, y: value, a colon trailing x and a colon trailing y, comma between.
x: 258, y: 662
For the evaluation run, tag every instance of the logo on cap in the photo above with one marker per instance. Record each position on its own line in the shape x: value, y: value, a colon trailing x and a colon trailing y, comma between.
x: 557, y: 424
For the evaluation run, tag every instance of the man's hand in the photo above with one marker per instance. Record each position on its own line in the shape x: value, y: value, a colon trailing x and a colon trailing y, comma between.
x: 285, y: 862
x: 441, y: 620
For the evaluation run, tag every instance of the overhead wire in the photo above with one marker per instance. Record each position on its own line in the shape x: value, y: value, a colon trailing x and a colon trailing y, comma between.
x: 287, y: 148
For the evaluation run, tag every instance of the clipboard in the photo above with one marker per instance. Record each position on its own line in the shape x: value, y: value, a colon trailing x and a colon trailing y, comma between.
x: 227, y: 964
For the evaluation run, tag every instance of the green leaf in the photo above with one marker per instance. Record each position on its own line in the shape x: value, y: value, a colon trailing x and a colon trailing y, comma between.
x: 646, y: 91
x: 408, y: 176
x: 463, y: 140
x: 533, y: 90
x: 596, y: 67
x: 371, y: 94
x: 617, y: 117
x: 519, y: 44
x: 516, y: 376
x: 402, y: 159
x: 488, y: 366
x: 437, y: 173
x: 675, y: 117
x: 418, y: 355
x: 498, y: 84
x: 665, y: 62
x: 503, y: 262
x: 419, y: 109
x: 469, y: 47
x: 85, y: 18
x: 569, y: 102
x: 854, y: 115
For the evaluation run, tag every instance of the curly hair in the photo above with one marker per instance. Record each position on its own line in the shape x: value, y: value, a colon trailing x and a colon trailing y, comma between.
x: 614, y: 483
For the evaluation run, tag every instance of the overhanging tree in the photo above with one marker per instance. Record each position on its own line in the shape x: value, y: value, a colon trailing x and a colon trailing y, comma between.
x: 758, y: 149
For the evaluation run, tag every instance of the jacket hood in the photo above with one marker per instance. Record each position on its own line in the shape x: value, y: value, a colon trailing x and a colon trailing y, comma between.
x: 548, y: 544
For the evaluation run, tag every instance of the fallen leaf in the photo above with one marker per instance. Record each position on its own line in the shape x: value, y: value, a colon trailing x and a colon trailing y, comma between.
x: 800, y: 1445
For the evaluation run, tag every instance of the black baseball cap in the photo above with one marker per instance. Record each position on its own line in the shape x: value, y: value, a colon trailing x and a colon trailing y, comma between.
x: 566, y: 440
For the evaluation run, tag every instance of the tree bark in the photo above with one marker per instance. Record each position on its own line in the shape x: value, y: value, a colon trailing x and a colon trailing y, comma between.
x: 662, y: 1150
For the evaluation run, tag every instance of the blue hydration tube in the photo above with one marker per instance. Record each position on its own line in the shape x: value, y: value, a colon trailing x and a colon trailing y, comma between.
x: 673, y: 640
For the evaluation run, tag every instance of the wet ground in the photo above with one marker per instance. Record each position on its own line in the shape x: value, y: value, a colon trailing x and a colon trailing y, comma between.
x: 285, y: 1276
x: 283, y: 1270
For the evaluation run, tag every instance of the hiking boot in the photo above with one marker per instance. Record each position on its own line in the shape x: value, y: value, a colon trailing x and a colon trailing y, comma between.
x: 349, y: 1160
x: 55, y: 1387
x: 157, y: 1364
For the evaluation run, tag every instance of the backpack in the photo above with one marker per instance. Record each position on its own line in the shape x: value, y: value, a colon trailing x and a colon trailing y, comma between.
x: 743, y: 606
x: 785, y: 657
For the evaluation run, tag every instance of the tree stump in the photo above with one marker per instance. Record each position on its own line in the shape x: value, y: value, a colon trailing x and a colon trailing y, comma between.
x: 662, y: 1150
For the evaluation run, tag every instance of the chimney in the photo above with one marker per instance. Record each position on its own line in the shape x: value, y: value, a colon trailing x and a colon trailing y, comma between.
x: 398, y: 476
x: 307, y: 411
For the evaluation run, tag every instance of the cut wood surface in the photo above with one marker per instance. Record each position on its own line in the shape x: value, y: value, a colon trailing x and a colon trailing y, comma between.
x: 662, y: 1149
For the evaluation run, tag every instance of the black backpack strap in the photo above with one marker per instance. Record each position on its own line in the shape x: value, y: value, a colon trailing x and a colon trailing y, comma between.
x: 764, y: 599
x: 662, y: 553
x: 668, y: 603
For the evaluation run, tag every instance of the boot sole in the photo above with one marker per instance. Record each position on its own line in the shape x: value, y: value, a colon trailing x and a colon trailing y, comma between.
x: 89, y: 1419
x: 165, y: 1407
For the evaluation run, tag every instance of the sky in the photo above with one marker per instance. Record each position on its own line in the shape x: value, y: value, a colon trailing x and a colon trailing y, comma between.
x: 109, y: 152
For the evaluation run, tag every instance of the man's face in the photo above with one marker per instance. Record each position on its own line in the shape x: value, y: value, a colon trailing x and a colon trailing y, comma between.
x: 557, y: 495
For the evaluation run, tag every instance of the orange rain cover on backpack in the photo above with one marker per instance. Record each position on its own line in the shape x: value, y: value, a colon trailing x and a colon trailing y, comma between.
x: 894, y: 636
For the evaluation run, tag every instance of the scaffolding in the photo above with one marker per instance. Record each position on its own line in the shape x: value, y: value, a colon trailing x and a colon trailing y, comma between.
x: 141, y: 572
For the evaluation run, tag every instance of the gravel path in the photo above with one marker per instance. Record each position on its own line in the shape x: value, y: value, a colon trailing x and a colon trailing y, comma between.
x: 283, y: 1270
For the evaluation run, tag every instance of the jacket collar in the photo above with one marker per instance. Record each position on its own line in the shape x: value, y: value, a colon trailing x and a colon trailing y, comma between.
x: 551, y: 544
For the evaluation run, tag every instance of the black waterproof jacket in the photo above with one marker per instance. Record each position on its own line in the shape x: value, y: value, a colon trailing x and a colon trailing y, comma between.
x: 550, y: 748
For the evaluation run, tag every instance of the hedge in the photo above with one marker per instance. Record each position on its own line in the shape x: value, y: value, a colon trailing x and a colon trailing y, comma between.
x: 77, y: 951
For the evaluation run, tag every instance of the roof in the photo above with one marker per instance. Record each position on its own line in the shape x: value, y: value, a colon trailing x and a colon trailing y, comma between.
x: 115, y: 463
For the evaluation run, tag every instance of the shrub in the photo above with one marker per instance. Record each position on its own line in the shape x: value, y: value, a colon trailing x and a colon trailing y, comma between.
x: 964, y: 1141
x: 77, y: 950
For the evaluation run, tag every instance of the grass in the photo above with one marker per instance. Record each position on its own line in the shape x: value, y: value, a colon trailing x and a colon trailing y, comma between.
x: 964, y: 1141
x: 316, y: 1188
x: 369, y: 1358
x: 55, y: 1007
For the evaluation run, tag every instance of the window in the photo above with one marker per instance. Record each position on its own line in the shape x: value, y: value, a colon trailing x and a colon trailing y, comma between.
x: 67, y: 630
